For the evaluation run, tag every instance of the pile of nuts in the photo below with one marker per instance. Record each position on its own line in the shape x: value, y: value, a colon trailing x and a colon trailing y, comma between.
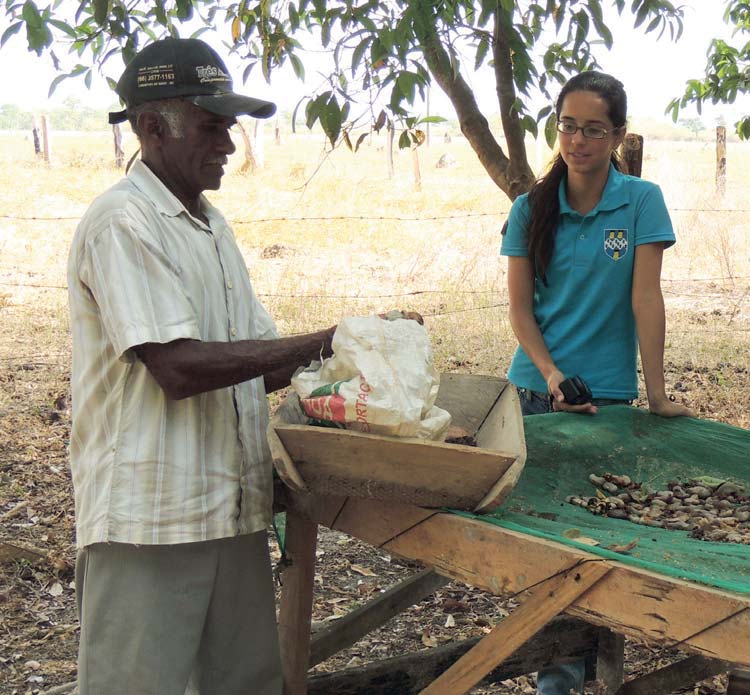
x: 713, y: 512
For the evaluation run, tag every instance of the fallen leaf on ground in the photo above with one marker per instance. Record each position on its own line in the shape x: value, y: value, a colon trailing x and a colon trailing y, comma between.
x: 623, y: 548
x: 362, y: 570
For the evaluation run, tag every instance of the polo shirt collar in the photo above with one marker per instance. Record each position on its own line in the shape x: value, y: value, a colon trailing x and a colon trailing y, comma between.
x: 615, y: 194
x: 165, y: 201
x: 150, y: 185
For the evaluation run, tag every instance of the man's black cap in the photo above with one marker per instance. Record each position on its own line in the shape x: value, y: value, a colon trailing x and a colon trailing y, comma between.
x: 185, y: 68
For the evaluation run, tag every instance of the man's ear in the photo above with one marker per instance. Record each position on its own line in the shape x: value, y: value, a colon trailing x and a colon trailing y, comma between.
x: 150, y: 125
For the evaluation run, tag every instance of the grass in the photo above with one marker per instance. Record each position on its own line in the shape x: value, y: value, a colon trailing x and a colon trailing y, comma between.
x: 326, y: 235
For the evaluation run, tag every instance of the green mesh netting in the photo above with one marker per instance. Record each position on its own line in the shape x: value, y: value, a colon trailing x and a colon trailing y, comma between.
x: 563, y: 449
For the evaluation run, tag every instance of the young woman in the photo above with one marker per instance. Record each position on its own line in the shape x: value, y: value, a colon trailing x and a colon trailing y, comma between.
x: 585, y: 251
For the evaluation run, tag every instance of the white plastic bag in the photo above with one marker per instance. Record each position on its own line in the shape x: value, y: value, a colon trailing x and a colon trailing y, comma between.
x: 381, y: 379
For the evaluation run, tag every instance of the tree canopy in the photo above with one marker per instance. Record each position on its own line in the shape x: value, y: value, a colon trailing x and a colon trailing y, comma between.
x: 727, y: 69
x: 383, y: 54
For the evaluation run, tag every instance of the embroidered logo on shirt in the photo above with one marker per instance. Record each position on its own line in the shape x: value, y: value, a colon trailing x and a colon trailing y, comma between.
x: 616, y: 243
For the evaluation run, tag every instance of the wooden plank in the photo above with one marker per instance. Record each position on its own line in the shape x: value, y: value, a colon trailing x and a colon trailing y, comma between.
x: 610, y: 659
x: 427, y: 473
x: 631, y: 601
x: 681, y: 674
x: 503, y: 429
x: 372, y: 615
x: 544, y: 602
x: 296, y: 602
x: 561, y: 640
x: 468, y: 398
x: 283, y: 463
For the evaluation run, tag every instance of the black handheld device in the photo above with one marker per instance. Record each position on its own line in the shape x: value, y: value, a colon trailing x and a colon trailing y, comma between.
x: 575, y: 390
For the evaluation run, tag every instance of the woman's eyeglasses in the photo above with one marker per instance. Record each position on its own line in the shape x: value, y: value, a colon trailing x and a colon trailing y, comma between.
x: 594, y: 132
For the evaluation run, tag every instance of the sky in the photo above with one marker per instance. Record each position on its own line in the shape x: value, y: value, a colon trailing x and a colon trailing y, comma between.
x: 652, y: 72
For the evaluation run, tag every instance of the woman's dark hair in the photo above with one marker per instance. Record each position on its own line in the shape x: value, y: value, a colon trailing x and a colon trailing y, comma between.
x: 544, y: 202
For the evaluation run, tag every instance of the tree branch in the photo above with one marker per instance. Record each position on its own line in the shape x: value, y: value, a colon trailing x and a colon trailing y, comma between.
x: 520, y: 176
x: 473, y: 123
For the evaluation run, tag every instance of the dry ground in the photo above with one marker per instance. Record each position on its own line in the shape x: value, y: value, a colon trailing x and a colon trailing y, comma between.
x: 432, y: 250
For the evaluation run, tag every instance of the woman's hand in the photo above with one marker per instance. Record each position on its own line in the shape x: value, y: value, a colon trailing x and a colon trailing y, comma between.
x: 663, y: 407
x: 558, y: 399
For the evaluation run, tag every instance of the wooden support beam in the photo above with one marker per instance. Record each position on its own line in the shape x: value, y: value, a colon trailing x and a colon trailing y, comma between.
x: 547, y: 600
x: 561, y: 640
x: 355, y: 625
x: 296, y: 602
x: 682, y: 674
x: 610, y: 659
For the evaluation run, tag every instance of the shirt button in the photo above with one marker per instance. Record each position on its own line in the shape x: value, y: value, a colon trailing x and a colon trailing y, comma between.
x: 583, y: 236
x: 233, y: 331
x: 229, y: 285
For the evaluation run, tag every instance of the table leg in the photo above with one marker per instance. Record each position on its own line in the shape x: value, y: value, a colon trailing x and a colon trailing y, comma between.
x: 296, y: 602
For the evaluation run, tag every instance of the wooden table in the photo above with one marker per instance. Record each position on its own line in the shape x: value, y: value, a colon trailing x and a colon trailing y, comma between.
x: 548, y: 578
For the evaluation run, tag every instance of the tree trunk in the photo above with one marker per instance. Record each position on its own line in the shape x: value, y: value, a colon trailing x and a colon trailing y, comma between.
x: 512, y: 175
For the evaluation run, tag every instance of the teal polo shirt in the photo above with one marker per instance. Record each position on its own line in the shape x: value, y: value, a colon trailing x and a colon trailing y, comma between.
x: 585, y: 312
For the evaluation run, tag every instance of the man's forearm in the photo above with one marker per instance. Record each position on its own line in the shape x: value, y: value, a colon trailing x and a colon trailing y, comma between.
x: 185, y: 368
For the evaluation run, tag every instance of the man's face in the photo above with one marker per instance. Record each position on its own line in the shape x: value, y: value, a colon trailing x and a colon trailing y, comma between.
x: 195, y: 162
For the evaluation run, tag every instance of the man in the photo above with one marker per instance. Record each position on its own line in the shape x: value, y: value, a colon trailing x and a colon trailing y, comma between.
x: 172, y: 358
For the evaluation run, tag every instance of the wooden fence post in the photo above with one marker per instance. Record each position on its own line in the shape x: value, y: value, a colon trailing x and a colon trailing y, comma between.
x: 391, y: 131
x: 258, y: 143
x: 631, y: 154
x: 35, y: 133
x: 119, y: 153
x: 417, y: 172
x: 721, y: 159
x: 45, y: 139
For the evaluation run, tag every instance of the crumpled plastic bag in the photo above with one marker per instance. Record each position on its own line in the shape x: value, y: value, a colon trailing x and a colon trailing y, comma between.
x: 380, y: 379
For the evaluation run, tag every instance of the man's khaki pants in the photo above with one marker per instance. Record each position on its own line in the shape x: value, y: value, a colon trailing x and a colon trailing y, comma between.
x: 155, y: 618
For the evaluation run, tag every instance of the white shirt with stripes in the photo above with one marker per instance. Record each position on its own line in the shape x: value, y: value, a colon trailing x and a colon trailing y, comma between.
x: 147, y: 469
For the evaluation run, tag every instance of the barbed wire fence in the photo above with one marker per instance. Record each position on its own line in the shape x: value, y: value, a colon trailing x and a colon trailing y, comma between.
x: 494, y: 299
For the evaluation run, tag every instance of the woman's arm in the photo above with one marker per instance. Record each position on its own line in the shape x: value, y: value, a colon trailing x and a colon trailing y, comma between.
x: 648, y: 309
x: 526, y: 329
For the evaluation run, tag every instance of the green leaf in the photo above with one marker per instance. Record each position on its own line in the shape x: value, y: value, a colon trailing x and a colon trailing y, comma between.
x: 330, y: 120
x: 404, y: 141
x: 12, y: 29
x: 101, y: 11
x: 360, y: 140
x: 358, y: 53
x: 641, y: 15
x: 87, y: 79
x: 62, y: 26
x: 482, y: 48
x: 31, y: 14
x: 293, y: 17
x: 55, y: 82
x: 550, y: 130
x: 297, y: 66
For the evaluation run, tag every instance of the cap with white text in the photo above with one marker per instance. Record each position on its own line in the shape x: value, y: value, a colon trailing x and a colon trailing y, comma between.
x: 188, y: 69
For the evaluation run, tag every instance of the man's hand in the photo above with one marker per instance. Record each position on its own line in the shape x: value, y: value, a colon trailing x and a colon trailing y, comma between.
x: 399, y: 314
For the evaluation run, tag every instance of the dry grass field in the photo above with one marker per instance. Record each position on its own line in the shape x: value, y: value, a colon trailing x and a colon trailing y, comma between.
x: 324, y: 236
